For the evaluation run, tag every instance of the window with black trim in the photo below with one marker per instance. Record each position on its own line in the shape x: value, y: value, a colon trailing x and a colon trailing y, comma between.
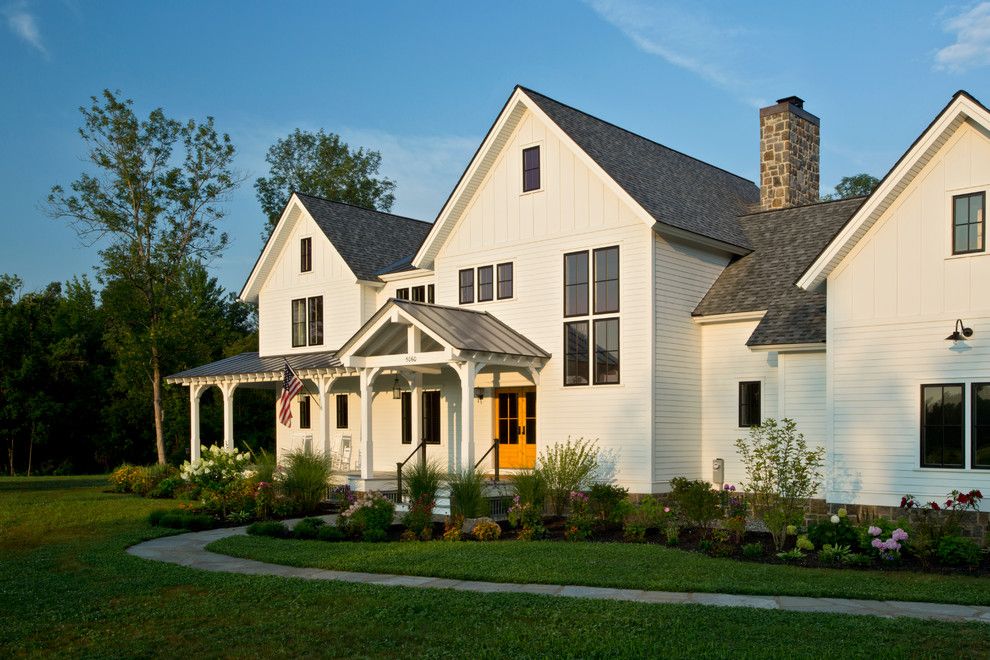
x: 406, y: 418
x: 486, y: 287
x: 341, y: 400
x: 431, y: 417
x: 606, y: 351
x: 504, y: 285
x: 531, y: 169
x: 402, y: 294
x: 419, y: 294
x: 576, y: 353
x: 299, y: 322
x: 431, y: 293
x: 981, y: 426
x: 316, y: 320
x: 576, y: 284
x: 749, y: 404
x: 305, y: 421
x: 465, y: 280
x: 606, y: 280
x: 942, y: 426
x: 968, y: 223
x: 306, y: 255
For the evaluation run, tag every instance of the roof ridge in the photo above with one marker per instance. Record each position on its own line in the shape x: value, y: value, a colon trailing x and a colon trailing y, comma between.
x: 363, y: 208
x: 635, y: 134
x: 803, y: 206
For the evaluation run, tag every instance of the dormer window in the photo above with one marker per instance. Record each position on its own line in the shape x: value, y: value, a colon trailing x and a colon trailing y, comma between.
x: 531, y: 169
x: 968, y: 223
x: 305, y: 255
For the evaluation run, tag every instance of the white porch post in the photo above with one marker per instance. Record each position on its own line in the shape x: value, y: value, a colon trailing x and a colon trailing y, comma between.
x: 195, y: 392
x: 467, y: 371
x: 228, y: 414
x: 324, y: 393
x: 416, y: 410
x: 367, y: 445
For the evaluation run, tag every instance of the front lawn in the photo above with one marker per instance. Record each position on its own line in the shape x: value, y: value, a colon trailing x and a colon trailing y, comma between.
x: 67, y: 588
x: 623, y: 565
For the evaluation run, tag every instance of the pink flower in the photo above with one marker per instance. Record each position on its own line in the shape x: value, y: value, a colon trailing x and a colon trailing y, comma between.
x: 899, y: 535
x: 666, y: 509
x: 874, y: 531
x: 877, y: 543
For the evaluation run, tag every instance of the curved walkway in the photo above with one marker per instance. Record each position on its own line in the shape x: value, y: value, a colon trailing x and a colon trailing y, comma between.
x: 189, y: 550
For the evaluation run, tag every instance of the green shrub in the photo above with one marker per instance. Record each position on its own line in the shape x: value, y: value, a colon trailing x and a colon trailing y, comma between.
x: 466, y: 494
x: 175, y: 519
x: 166, y: 488
x: 804, y: 543
x: 308, y: 528
x: 831, y: 533
x: 330, y: 533
x: 530, y: 487
x: 958, y: 551
x: 697, y: 503
x: 264, y: 467
x: 855, y: 560
x: 422, y: 481
x: 579, y: 520
x: 608, y: 503
x: 752, y: 550
x: 370, y: 513
x: 121, y: 479
x: 419, y: 518
x: 305, y: 479
x: 791, y: 555
x: 567, y: 467
x: 835, y: 554
x: 486, y: 529
x: 271, y: 528
x: 649, y: 513
x: 155, y: 516
x: 374, y: 535
x: 199, y: 521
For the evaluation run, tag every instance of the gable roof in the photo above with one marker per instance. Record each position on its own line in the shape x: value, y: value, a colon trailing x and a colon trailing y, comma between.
x: 961, y: 108
x: 785, y: 242
x: 251, y: 364
x: 677, y: 190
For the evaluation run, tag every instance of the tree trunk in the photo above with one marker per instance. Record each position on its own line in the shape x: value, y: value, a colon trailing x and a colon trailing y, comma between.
x: 30, y: 448
x: 156, y: 395
x: 10, y: 456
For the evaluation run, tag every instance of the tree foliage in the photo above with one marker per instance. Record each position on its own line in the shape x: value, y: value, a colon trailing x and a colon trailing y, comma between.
x: 857, y: 185
x: 323, y: 165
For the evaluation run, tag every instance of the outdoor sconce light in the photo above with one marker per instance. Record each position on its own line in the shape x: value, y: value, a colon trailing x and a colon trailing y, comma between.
x: 479, y: 393
x: 396, y: 389
x: 960, y: 333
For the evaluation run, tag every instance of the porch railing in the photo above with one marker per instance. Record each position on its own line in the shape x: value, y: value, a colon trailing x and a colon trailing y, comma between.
x: 421, y: 450
x: 493, y: 448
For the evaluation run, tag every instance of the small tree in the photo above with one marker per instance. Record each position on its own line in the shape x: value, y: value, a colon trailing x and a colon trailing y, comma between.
x: 782, y: 473
x: 567, y: 467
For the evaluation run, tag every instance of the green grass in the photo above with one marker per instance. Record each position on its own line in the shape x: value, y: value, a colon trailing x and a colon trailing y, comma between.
x: 68, y: 588
x: 624, y: 565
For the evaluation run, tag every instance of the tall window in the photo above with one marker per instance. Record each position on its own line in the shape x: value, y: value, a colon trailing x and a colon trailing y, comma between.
x: 306, y: 255
x: 431, y: 417
x: 305, y: 421
x: 316, y: 320
x: 419, y: 294
x: 981, y: 425
x: 749, y: 404
x: 407, y: 418
x: 606, y: 280
x: 504, y: 273
x: 341, y: 411
x: 531, y: 169
x: 606, y: 351
x: 402, y: 294
x: 299, y: 322
x: 942, y: 426
x: 431, y: 293
x: 485, y: 284
x: 465, y: 279
x: 576, y: 284
x: 968, y: 223
x: 576, y: 353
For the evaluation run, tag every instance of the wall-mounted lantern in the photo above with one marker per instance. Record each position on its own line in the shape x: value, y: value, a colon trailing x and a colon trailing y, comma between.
x: 960, y: 333
x: 479, y: 393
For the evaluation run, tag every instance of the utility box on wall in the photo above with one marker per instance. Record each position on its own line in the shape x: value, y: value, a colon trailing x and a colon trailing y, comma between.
x: 718, y: 472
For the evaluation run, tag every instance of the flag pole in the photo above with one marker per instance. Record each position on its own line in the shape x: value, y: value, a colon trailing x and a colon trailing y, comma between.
x: 305, y: 387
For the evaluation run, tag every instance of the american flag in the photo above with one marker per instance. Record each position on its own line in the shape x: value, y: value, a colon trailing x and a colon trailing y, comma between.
x: 290, y: 387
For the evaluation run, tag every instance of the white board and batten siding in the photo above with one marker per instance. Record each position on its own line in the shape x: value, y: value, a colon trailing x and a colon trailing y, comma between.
x: 892, y: 301
x: 574, y: 210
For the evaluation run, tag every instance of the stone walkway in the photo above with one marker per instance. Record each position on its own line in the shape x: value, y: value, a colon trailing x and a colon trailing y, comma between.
x: 189, y: 550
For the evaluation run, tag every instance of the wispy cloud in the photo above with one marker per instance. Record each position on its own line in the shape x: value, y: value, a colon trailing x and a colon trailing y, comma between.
x: 690, y: 40
x: 23, y: 23
x: 972, y: 44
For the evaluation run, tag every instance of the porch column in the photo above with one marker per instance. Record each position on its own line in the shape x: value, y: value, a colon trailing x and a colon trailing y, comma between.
x: 467, y: 371
x: 323, y: 386
x: 195, y: 392
x: 367, y: 379
x: 228, y: 414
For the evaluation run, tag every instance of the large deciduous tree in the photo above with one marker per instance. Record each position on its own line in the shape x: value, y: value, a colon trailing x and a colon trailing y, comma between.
x: 152, y: 202
x: 323, y: 165
x: 857, y: 185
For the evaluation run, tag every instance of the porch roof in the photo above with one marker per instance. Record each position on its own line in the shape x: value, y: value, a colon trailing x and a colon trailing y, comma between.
x: 254, y: 367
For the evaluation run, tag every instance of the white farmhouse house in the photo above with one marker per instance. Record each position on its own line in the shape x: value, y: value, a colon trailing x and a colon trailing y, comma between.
x: 584, y: 281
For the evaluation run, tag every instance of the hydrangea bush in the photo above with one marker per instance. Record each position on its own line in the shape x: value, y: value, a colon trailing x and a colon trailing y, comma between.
x: 222, y: 477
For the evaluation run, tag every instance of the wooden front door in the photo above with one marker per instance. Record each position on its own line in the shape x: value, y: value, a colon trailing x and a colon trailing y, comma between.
x: 515, y: 427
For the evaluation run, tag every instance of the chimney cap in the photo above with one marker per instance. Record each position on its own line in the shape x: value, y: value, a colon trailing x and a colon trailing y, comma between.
x: 792, y: 100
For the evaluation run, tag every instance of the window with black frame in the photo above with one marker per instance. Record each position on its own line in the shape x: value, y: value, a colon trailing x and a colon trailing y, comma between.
x: 341, y: 400
x: 942, y: 425
x: 981, y: 426
x: 749, y: 404
x: 465, y: 285
x: 316, y: 320
x: 969, y: 223
x: 504, y: 276
x: 299, y: 322
x: 486, y: 286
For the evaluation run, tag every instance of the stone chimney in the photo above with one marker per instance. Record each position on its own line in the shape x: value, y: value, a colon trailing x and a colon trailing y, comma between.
x: 788, y: 155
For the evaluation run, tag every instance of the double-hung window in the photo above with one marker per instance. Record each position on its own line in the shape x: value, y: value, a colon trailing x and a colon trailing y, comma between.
x: 969, y: 223
x: 316, y: 320
x: 504, y: 275
x: 305, y: 255
x: 576, y: 284
x: 430, y: 410
x: 307, y: 321
x: 419, y: 294
x: 341, y: 400
x: 431, y: 293
x: 465, y: 281
x: 305, y: 420
x: 485, y: 284
x: 531, y: 169
x: 299, y: 322
x: 749, y: 404
x: 402, y: 294
x: 981, y: 426
x: 942, y: 426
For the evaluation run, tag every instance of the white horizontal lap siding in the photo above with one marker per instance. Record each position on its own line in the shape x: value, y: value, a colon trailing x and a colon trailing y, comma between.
x: 330, y: 277
x: 801, y: 392
x: 892, y: 302
x: 683, y: 274
x: 726, y: 361
x: 573, y: 211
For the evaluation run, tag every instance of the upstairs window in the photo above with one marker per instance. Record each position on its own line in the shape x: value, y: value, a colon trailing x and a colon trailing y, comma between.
x: 968, y: 223
x: 485, y: 284
x: 606, y: 280
x: 531, y: 169
x: 316, y: 320
x: 307, y: 321
x: 419, y: 294
x: 576, y: 284
x: 306, y: 255
x: 402, y: 294
x: 465, y: 279
x: 504, y: 280
x: 299, y: 322
x: 305, y: 421
x: 749, y: 404
x: 341, y: 411
x: 942, y: 426
x: 606, y: 351
x: 431, y: 293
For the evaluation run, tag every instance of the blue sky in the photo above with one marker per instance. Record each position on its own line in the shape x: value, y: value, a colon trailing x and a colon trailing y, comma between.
x: 422, y: 82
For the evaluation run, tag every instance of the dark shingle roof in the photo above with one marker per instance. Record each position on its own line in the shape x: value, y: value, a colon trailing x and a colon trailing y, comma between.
x: 369, y: 241
x: 250, y: 363
x: 784, y: 243
x: 675, y: 189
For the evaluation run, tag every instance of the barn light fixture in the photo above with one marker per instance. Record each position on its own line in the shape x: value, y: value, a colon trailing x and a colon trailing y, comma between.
x: 479, y: 393
x: 960, y: 332
x: 396, y: 389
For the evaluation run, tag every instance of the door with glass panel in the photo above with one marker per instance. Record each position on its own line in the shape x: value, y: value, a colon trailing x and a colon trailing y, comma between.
x: 515, y: 427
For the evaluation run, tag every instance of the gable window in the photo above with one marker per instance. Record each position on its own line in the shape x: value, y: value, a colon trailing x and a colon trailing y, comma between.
x: 749, y: 404
x: 299, y: 322
x: 485, y: 285
x: 402, y: 294
x: 968, y: 223
x: 606, y: 280
x: 576, y: 353
x: 341, y: 411
x: 305, y: 421
x: 431, y: 417
x: 531, y: 169
x: 306, y: 255
x: 981, y: 426
x: 465, y: 280
x: 942, y: 426
x: 316, y: 320
x: 419, y: 294
x: 504, y: 273
x: 606, y: 351
x: 431, y: 293
x: 576, y: 284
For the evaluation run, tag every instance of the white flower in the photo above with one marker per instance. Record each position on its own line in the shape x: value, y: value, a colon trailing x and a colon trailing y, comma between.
x: 835, y: 520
